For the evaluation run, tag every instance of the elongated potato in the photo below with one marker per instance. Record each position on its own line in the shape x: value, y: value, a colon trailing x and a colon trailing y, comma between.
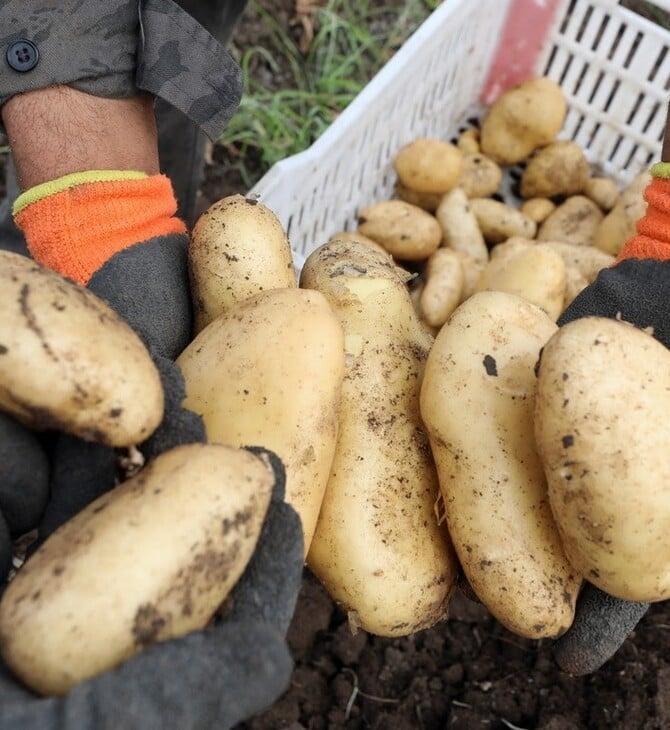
x: 378, y: 547
x: 602, y: 431
x: 151, y: 560
x: 499, y: 221
x: 69, y: 362
x: 460, y: 229
x: 268, y: 372
x: 575, y: 221
x: 443, y: 289
x: 477, y: 403
x: 238, y: 247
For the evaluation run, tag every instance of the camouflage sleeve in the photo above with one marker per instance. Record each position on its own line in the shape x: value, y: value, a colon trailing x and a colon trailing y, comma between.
x: 115, y: 48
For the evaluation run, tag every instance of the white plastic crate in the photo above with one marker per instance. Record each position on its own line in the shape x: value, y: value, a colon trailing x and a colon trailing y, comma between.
x: 613, y: 65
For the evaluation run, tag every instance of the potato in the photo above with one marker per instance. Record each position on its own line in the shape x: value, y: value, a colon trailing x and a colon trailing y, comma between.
x: 358, y: 236
x: 468, y: 141
x: 151, y: 560
x: 587, y: 260
x: 522, y: 119
x: 510, y: 247
x: 237, y: 248
x: 269, y: 372
x: 620, y: 223
x: 538, y: 209
x: 603, y: 191
x: 575, y: 282
x: 427, y: 201
x: 481, y: 176
x: 574, y: 221
x: 559, y: 169
x: 429, y: 165
x: 535, y: 273
x: 378, y: 548
x: 406, y: 231
x: 443, y: 288
x: 498, y: 221
x: 602, y: 432
x: 472, y: 271
x: 68, y: 362
x: 460, y: 229
x: 495, y: 494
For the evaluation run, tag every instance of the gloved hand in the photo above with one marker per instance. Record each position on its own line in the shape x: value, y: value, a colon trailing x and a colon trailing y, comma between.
x: 636, y: 289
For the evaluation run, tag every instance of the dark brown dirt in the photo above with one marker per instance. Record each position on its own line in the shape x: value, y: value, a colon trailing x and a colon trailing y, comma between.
x: 466, y: 673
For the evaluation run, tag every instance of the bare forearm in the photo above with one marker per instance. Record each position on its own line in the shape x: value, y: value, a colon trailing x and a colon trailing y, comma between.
x: 58, y: 130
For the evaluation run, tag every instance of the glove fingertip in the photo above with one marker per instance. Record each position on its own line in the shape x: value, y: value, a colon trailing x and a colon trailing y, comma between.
x: 602, y: 624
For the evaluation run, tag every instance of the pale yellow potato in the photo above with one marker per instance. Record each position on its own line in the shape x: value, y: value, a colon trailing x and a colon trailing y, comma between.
x: 68, y: 362
x: 477, y: 403
x: 499, y: 221
x: 574, y: 221
x: 481, y: 176
x: 148, y: 561
x: 472, y: 271
x: 358, y: 236
x: 559, y: 169
x: 468, y: 141
x: 535, y: 273
x: 429, y: 165
x: 238, y: 247
x: 575, y: 282
x: 522, y: 119
x: 443, y: 288
x: 510, y: 247
x: 538, y: 209
x: 620, y: 223
x: 268, y: 372
x: 602, y: 431
x: 406, y: 231
x: 603, y: 191
x: 587, y: 260
x: 460, y: 229
x: 427, y: 201
x: 378, y: 548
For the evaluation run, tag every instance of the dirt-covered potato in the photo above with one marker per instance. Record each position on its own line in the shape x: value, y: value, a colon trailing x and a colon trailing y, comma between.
x: 69, y: 362
x: 268, y: 372
x: 535, y: 273
x: 587, y: 260
x: 602, y: 431
x: 603, y: 191
x: 406, y: 231
x: 148, y: 561
x: 559, y: 169
x: 499, y: 221
x: 428, y: 165
x: 620, y: 223
x: 522, y: 119
x: 443, y: 288
x: 481, y: 176
x: 538, y: 209
x: 460, y: 229
x: 482, y: 364
x: 238, y: 247
x: 378, y: 548
x: 358, y: 236
x: 574, y: 221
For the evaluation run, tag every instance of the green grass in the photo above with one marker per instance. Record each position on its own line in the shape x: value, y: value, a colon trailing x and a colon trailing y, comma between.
x: 352, y: 42
x: 648, y: 10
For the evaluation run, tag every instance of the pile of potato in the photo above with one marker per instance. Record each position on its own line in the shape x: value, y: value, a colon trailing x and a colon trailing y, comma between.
x: 433, y: 420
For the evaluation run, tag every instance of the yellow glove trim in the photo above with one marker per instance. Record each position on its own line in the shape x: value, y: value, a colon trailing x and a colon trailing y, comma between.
x: 43, y: 190
x: 661, y: 169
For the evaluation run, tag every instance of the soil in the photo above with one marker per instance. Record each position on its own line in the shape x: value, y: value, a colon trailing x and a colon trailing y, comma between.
x: 466, y: 673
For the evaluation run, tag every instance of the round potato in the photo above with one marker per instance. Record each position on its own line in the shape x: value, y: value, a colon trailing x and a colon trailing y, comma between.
x: 559, y: 169
x: 603, y: 191
x: 269, y: 372
x: 427, y: 201
x: 538, y: 209
x: 151, y: 560
x: 238, y: 247
x: 481, y: 176
x: 602, y: 431
x: 429, y: 165
x: 482, y: 364
x: 575, y: 221
x: 406, y: 231
x: 378, y: 548
x: 69, y: 362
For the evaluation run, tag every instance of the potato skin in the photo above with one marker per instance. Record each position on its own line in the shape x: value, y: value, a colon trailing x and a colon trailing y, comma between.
x: 269, y: 372
x: 238, y: 247
x: 69, y: 362
x: 602, y: 430
x: 377, y: 547
x: 428, y: 165
x: 560, y: 168
x: 150, y: 560
x: 491, y: 478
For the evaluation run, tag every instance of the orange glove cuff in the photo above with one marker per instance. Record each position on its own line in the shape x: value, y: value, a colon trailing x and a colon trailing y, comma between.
x: 653, y: 229
x: 77, y: 229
